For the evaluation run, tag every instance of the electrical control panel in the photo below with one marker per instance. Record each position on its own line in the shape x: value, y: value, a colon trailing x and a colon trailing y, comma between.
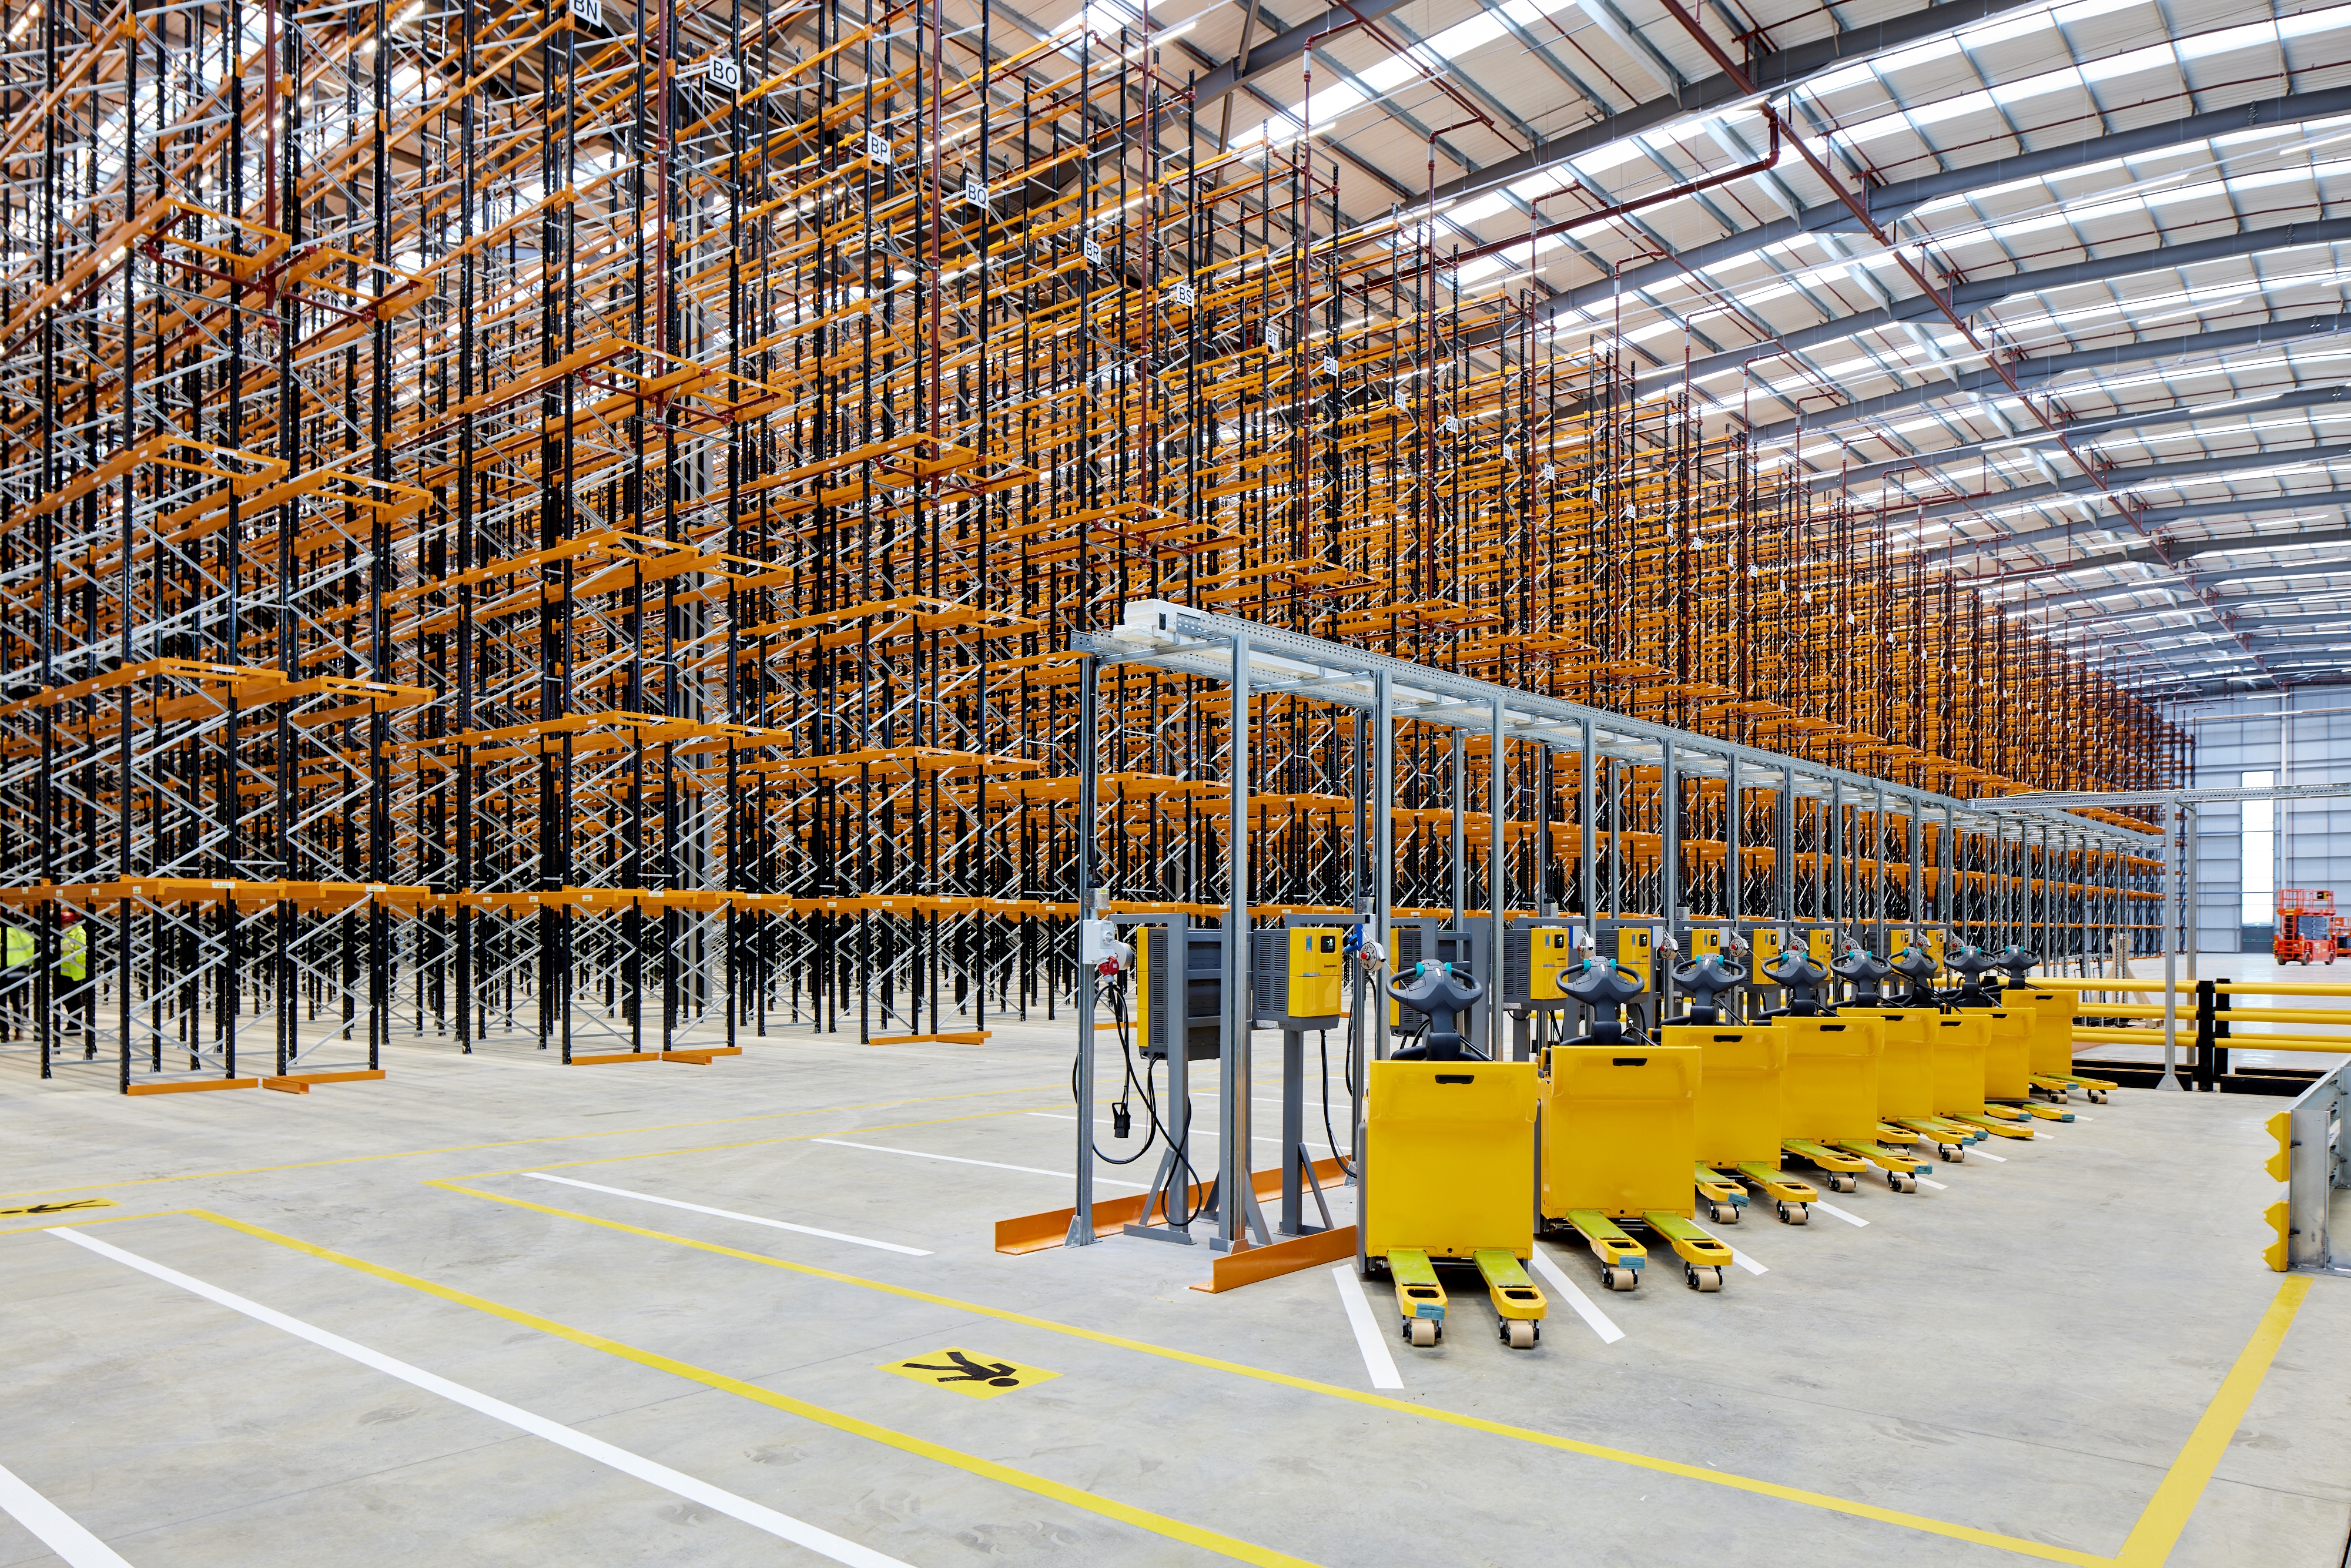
x: 1179, y: 990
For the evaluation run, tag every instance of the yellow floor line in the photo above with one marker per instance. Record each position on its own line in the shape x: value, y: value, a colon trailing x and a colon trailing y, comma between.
x: 746, y: 1144
x: 517, y: 1143
x: 2158, y: 1530
x: 989, y: 1469
x: 1426, y: 1412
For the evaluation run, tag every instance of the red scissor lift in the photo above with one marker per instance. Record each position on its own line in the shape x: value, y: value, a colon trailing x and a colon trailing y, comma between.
x: 2307, y: 927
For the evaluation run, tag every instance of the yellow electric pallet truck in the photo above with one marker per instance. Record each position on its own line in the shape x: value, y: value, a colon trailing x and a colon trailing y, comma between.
x: 1738, y: 1108
x: 1905, y: 1083
x: 2051, y: 1055
x: 1448, y: 1162
x: 1960, y: 1040
x: 1620, y: 1139
x: 2008, y: 1040
x: 1828, y: 1103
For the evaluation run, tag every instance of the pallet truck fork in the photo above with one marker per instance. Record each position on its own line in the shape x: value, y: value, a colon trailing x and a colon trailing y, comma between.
x: 1622, y: 1258
x: 1723, y: 1199
x: 1794, y: 1198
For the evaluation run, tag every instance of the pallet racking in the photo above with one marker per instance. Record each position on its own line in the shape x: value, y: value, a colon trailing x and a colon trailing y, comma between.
x: 565, y: 524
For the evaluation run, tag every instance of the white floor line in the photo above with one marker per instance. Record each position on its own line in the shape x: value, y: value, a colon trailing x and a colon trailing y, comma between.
x: 1573, y: 1295
x: 1930, y: 1181
x: 1980, y: 1154
x: 1834, y: 1212
x: 54, y: 1527
x: 1742, y: 1258
x: 1368, y: 1338
x: 730, y: 1214
x: 691, y: 1487
x: 959, y: 1160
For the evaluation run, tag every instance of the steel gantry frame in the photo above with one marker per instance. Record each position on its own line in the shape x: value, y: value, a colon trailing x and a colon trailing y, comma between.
x: 1527, y: 834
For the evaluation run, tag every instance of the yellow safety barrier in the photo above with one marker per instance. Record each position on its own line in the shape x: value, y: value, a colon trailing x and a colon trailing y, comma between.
x: 2274, y: 989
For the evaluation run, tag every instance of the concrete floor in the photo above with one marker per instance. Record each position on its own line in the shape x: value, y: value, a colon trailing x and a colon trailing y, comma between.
x: 2006, y: 1367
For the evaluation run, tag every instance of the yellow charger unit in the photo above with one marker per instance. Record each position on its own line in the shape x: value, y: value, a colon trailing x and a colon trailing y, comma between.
x: 1764, y: 946
x: 1297, y: 977
x: 1706, y: 941
x: 1820, y: 943
x: 1535, y: 964
x: 1635, y: 954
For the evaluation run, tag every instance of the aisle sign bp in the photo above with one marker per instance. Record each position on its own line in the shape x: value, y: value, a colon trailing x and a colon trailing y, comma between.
x: 968, y: 1372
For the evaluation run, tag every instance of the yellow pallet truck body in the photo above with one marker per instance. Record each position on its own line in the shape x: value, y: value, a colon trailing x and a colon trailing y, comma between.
x: 2007, y: 1061
x: 1961, y: 1039
x: 1905, y: 1083
x: 1448, y: 1165
x: 2051, y: 1057
x: 1620, y: 1142
x: 1738, y: 1115
x: 1828, y: 1101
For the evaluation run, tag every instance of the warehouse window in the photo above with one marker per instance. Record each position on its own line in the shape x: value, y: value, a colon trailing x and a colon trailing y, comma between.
x: 2257, y: 853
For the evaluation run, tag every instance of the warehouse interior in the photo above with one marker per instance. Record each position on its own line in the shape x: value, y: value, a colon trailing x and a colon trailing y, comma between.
x: 1457, y: 781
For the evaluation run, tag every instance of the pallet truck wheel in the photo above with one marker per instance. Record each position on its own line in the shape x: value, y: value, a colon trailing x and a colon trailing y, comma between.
x: 1794, y: 1214
x: 2099, y: 1095
x: 1422, y: 1332
x: 1705, y: 1280
x: 1518, y: 1333
x: 1839, y: 1181
x: 1902, y: 1181
x: 1620, y: 1279
x: 1946, y: 1152
x: 1725, y: 1214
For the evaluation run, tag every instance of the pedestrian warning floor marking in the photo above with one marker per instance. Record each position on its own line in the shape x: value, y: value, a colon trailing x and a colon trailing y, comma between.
x: 966, y: 1371
x: 61, y: 1207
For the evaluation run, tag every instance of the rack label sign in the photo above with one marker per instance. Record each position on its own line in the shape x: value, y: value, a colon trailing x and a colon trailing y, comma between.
x: 588, y: 13
x: 968, y: 1372
x: 725, y: 74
